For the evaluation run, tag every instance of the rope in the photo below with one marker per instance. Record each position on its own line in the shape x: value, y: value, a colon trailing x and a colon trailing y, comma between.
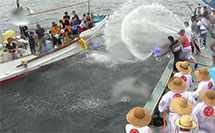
x: 54, y: 9
x: 164, y: 120
x: 200, y: 52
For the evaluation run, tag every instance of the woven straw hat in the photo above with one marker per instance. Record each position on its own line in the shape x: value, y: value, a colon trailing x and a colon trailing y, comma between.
x: 181, y: 106
x: 139, y: 117
x: 186, y: 122
x: 184, y: 67
x: 208, y: 97
x: 177, y: 84
x: 203, y: 74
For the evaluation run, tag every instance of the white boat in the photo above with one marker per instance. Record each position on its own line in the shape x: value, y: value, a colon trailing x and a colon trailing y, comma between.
x: 15, y: 69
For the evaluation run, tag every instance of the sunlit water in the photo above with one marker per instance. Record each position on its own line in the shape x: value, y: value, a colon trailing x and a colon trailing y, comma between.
x: 93, y: 91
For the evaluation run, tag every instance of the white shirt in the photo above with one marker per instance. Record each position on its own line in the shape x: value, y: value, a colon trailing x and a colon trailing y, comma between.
x: 167, y: 98
x: 186, y: 77
x: 204, y: 22
x: 188, y: 33
x: 130, y: 127
x: 203, y: 85
x: 82, y: 25
x: 175, y: 128
x: 205, y: 116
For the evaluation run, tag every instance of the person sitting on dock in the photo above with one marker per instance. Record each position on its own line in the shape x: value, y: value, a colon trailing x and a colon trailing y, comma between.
x: 139, y: 119
x: 41, y: 33
x: 181, y: 106
x: 187, y: 50
x: 56, y: 35
x: 12, y: 48
x: 205, y: 111
x: 185, y: 73
x: 206, y: 83
x: 185, y: 124
x: 32, y: 43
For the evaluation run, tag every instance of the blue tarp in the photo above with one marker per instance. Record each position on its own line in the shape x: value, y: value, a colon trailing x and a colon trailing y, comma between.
x: 212, y: 74
x: 210, y: 2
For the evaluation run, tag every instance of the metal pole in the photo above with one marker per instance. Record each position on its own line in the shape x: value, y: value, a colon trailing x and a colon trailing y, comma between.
x: 88, y: 6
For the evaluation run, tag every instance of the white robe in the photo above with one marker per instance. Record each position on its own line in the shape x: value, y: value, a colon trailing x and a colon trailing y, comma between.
x: 187, y: 77
x: 206, y: 118
x: 203, y: 85
x: 145, y: 129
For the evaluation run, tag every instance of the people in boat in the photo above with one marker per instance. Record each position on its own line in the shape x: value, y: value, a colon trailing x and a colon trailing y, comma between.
x: 56, y: 35
x: 139, y: 119
x: 66, y: 16
x: 84, y: 18
x: 76, y: 16
x: 12, y: 48
x: 195, y: 32
x: 185, y: 124
x: 173, y: 46
x: 61, y: 24
x: 32, y: 43
x: 184, y: 73
x: 203, y: 23
x: 187, y: 50
x: 206, y: 82
x: 66, y: 37
x: 181, y: 106
x: 74, y: 21
x: 41, y: 33
x: 24, y: 32
x: 205, y: 111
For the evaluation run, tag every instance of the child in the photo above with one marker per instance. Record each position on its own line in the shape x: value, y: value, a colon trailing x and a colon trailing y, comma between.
x: 32, y: 43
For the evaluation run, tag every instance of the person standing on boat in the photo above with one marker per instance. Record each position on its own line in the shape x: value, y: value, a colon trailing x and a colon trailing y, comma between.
x: 139, y: 119
x: 187, y: 50
x: 56, y: 35
x: 185, y: 123
x: 175, y: 48
x: 181, y: 106
x: 203, y: 23
x: 32, y: 43
x: 206, y: 83
x: 177, y: 88
x: 184, y: 73
x: 12, y: 48
x: 41, y: 33
x: 205, y: 111
x: 76, y: 16
x: 195, y: 32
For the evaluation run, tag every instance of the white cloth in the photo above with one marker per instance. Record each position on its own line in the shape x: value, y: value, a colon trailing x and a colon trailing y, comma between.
x: 187, y: 52
x: 204, y: 24
x: 206, y: 123
x: 186, y: 77
x: 82, y: 25
x: 203, y: 85
x: 167, y: 98
x: 175, y: 128
x: 130, y: 127
x: 188, y: 33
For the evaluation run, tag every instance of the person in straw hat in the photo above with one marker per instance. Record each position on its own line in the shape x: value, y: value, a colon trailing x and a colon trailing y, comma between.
x: 185, y: 73
x: 205, y: 111
x: 181, y: 106
x: 139, y: 119
x: 206, y: 83
x: 177, y: 88
x: 185, y: 124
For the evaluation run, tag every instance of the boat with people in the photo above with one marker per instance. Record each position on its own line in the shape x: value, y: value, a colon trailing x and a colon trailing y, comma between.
x: 181, y: 103
x: 26, y: 62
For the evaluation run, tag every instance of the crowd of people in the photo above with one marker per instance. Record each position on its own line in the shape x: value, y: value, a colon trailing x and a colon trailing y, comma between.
x: 68, y: 29
x: 189, y: 109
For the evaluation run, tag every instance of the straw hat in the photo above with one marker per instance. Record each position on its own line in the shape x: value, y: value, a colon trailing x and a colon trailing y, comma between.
x: 181, y: 106
x: 186, y: 122
x: 208, y: 97
x: 139, y: 117
x: 177, y: 84
x: 202, y: 74
x: 183, y: 67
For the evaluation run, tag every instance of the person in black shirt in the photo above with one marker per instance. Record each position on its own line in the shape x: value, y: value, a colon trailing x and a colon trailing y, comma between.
x: 12, y: 48
x: 41, y: 33
x: 76, y: 16
x: 24, y: 32
x: 32, y: 43
x: 66, y: 16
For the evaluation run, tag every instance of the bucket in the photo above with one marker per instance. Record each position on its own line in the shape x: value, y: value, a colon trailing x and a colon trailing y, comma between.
x: 157, y: 50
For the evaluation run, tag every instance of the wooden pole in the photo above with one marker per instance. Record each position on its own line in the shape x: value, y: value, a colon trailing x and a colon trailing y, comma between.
x: 54, y: 9
x: 88, y: 6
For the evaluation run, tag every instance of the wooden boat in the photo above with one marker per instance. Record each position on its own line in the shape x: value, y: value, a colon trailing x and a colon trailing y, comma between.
x: 161, y: 87
x: 14, y: 69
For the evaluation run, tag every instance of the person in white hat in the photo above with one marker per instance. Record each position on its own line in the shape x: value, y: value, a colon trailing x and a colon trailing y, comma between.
x: 139, y: 119
x: 181, y: 106
x: 205, y: 111
x: 206, y: 83
x: 178, y: 89
x: 185, y: 123
x: 185, y: 73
